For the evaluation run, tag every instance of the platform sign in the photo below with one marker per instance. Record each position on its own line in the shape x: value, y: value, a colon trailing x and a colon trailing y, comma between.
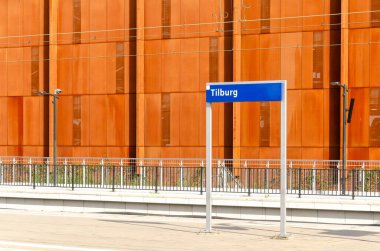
x: 245, y: 92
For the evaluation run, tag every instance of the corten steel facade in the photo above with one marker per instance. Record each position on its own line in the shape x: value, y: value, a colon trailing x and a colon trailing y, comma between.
x: 133, y: 75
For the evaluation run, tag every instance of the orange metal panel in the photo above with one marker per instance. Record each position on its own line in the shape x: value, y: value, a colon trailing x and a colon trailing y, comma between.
x: 270, y: 60
x: 14, y: 23
x: 374, y: 153
x: 202, y: 119
x: 130, y: 20
x: 275, y: 124
x: 358, y: 71
x: 359, y: 13
x: 98, y: 116
x: 250, y: 124
x: 291, y: 10
x: 153, y: 66
x: 312, y: 153
x: 358, y: 129
x: 27, y: 72
x: 86, y: 35
x: 3, y: 121
x: 85, y: 120
x: 209, y: 10
x: 170, y: 152
x: 65, y: 121
x: 81, y: 69
x: 32, y: 151
x: 275, y: 15
x: 116, y: 152
x: 189, y: 60
x: 65, y: 68
x: 111, y: 68
x: 312, y: 118
x: 331, y: 115
x: 291, y: 59
x: 32, y: 19
x: 98, y: 20
x: 65, y: 21
x: 189, y: 119
x: 116, y: 19
x: 191, y: 152
x: 15, y: 121
x: 171, y: 64
x: 116, y: 120
x: 312, y: 12
x: 3, y: 151
x: 3, y: 23
x: 130, y: 120
x: 250, y: 58
x: 153, y: 18
x: 269, y: 153
x: 98, y: 68
x: 81, y: 151
x: 15, y: 69
x: 153, y: 119
x: 356, y: 153
x: 204, y: 63
x: 190, y: 15
x: 98, y: 151
x: 332, y: 153
x: 175, y: 100
x: 15, y: 150
x: 307, y: 60
x: 33, y: 121
x: 152, y: 152
x: 374, y: 66
x: 294, y: 153
x: 3, y: 72
x: 249, y: 152
x: 294, y: 115
x: 65, y: 151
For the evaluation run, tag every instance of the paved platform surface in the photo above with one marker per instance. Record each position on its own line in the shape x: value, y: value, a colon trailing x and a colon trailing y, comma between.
x: 25, y: 230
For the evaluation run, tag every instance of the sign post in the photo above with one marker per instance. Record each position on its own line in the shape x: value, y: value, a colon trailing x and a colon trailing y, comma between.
x: 227, y: 92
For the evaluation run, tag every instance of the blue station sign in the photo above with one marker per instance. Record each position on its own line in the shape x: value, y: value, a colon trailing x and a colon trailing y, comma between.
x: 243, y: 92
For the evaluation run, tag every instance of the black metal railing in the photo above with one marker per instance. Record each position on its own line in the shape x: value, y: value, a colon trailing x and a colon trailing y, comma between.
x: 300, y: 181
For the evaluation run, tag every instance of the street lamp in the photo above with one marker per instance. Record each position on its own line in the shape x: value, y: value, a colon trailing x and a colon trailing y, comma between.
x: 55, y: 97
x: 344, y: 126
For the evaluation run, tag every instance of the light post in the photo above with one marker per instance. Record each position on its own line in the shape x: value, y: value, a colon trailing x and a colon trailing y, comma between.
x: 55, y: 97
x: 344, y: 126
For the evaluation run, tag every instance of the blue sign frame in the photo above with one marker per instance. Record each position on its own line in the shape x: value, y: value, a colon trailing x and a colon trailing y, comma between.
x: 244, y: 92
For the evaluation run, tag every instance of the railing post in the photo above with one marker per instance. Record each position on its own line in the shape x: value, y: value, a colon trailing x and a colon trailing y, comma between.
x: 47, y: 173
x: 314, y: 178
x: 102, y: 174
x: 224, y: 172
x: 201, y: 178
x: 363, y: 178
x: 72, y: 177
x: 181, y: 175
x: 84, y: 173
x: 1, y: 172
x: 267, y: 176
x: 156, y: 180
x: 338, y: 167
x: 353, y: 183
x: 291, y: 176
x: 121, y: 174
x: 249, y: 181
x: 161, y: 175
x: 13, y: 170
x: 141, y: 174
x: 34, y: 176
x: 299, y: 182
x: 113, y: 178
x: 30, y: 171
x: 65, y: 175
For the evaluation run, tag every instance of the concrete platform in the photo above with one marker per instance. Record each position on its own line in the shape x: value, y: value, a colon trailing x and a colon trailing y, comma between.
x: 314, y: 209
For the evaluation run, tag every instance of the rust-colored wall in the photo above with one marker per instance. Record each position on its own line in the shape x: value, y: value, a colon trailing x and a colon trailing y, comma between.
x: 133, y: 75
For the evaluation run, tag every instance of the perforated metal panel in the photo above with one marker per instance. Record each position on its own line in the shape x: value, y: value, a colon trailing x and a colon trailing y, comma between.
x: 317, y: 59
x: 375, y: 15
x: 77, y: 16
x: 35, y: 69
x: 165, y: 116
x: 265, y: 15
x: 374, y: 117
x: 77, y: 121
x: 166, y: 16
x: 120, y: 71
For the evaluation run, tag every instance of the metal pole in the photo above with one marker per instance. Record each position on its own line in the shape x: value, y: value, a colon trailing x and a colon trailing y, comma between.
x: 344, y: 138
x: 55, y: 139
x: 283, y: 162
x: 208, y: 167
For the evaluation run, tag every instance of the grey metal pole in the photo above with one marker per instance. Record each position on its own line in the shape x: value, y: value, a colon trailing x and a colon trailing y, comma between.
x: 55, y: 139
x: 208, y: 167
x: 344, y: 146
x: 283, y: 163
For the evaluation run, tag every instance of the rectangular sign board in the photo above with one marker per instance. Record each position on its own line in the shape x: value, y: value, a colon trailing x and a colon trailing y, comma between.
x: 243, y: 92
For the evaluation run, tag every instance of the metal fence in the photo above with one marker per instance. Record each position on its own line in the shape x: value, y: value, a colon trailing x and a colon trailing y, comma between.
x: 361, y: 178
